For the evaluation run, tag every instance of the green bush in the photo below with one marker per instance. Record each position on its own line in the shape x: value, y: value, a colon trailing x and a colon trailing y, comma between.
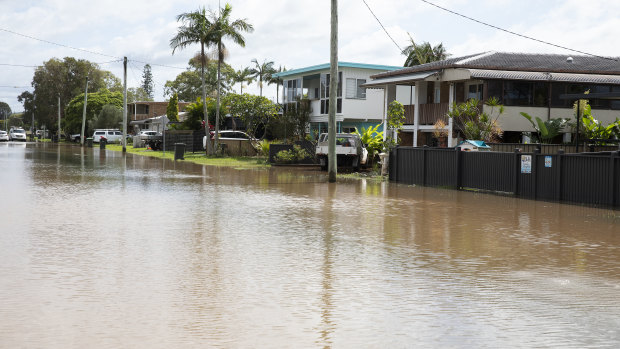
x: 291, y: 156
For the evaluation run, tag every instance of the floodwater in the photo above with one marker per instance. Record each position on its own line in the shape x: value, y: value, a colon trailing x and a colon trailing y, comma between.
x: 101, y: 250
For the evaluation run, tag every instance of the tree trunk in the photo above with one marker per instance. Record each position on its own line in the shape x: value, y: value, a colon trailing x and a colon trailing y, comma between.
x: 204, y: 99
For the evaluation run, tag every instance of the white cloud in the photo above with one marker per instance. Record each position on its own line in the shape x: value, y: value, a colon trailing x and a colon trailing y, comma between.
x: 291, y: 33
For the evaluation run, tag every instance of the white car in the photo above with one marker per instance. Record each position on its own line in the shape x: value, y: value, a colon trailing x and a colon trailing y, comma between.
x: 111, y: 136
x: 148, y: 133
x: 4, y: 136
x: 17, y: 134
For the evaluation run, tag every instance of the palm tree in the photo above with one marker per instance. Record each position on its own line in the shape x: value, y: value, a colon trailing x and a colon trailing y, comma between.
x: 243, y: 75
x: 263, y: 72
x: 223, y: 28
x: 277, y: 80
x: 424, y: 53
x: 196, y: 29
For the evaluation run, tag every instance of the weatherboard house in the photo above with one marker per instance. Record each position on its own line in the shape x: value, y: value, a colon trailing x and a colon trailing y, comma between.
x: 536, y: 84
x: 357, y: 107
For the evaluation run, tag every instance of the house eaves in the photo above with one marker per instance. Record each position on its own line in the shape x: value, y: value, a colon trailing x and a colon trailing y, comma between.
x: 316, y: 68
x: 399, y: 80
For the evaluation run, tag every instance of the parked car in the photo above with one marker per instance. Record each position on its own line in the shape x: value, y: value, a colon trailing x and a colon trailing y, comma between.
x: 4, y: 136
x: 349, y: 151
x: 75, y: 138
x: 148, y: 133
x: 17, y: 134
x: 229, y: 135
x: 111, y: 136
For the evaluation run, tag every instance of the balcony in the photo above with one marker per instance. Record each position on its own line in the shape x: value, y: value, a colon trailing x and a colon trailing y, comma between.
x: 429, y: 113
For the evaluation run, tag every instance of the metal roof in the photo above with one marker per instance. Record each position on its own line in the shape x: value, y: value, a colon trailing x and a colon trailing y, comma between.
x: 527, y: 62
x: 324, y: 66
x: 542, y: 76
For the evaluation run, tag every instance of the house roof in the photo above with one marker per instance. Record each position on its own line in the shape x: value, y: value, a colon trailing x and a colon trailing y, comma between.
x: 479, y: 144
x: 324, y: 66
x: 523, y: 62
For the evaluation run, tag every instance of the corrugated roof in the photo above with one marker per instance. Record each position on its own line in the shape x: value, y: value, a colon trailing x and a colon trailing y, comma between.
x: 538, y: 76
x: 340, y: 64
x: 528, y: 62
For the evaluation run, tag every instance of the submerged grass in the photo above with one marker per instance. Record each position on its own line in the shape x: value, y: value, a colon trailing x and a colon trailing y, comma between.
x: 242, y: 162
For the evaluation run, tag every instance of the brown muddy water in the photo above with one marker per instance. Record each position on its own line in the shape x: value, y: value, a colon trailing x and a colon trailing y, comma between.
x: 101, y: 250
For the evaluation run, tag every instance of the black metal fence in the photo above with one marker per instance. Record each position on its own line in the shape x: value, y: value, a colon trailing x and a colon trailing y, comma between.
x: 585, y: 178
x: 191, y: 139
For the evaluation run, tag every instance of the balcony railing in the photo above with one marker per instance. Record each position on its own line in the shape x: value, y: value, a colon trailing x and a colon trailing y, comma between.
x: 429, y: 113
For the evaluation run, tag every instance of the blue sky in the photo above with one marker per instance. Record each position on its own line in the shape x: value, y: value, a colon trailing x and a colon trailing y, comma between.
x: 291, y: 33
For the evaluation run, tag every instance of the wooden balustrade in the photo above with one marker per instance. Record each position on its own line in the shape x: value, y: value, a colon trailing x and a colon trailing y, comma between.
x: 429, y: 113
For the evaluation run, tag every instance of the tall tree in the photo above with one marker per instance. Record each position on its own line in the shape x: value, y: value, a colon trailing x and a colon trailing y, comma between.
x: 423, y: 53
x: 196, y: 29
x: 224, y: 28
x: 277, y: 80
x: 147, y: 81
x: 64, y: 78
x: 5, y: 112
x: 188, y: 83
x: 262, y: 72
x: 96, y: 101
x: 172, y: 111
x: 241, y: 76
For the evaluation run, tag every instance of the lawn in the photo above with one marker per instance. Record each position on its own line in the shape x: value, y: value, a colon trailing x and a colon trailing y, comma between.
x: 197, y: 158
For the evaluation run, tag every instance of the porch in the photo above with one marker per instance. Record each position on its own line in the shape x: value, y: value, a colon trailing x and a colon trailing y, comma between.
x: 429, y: 113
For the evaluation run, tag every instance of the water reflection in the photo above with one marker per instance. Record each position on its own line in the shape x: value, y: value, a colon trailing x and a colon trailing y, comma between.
x: 104, y: 249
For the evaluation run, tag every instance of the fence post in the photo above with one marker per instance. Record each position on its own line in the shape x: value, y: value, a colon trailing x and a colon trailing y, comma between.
x: 612, y: 179
x: 535, y: 170
x: 517, y: 170
x: 394, y: 163
x: 424, y: 148
x: 458, y: 167
x: 558, y: 188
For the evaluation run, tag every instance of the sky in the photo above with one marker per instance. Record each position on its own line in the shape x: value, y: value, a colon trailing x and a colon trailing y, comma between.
x: 291, y: 33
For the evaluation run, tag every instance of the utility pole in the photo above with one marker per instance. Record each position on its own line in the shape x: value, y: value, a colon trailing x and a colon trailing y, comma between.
x: 84, y: 113
x: 58, y: 119
x: 332, y: 161
x: 124, y: 104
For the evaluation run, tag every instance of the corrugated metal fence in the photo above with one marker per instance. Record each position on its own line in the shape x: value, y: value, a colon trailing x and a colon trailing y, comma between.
x: 586, y: 178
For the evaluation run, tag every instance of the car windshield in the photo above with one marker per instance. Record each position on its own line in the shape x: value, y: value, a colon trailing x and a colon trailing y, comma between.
x: 19, y: 131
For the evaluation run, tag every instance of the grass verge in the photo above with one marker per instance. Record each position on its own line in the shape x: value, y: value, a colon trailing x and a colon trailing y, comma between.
x: 243, y: 162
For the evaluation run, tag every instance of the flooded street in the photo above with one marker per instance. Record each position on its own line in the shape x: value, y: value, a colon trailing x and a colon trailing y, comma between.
x: 101, y: 250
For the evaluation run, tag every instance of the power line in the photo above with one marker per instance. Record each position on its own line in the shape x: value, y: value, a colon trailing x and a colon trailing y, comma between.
x: 57, y: 44
x: 158, y: 65
x: 517, y: 34
x: 20, y: 65
x: 385, y: 30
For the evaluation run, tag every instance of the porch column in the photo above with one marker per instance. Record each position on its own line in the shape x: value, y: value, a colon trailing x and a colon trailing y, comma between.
x: 416, y: 113
x: 385, y: 108
x: 451, y: 103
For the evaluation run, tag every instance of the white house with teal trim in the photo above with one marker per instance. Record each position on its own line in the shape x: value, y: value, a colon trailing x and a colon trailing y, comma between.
x: 357, y: 107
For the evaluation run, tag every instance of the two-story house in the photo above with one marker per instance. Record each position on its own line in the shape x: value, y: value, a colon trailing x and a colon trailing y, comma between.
x: 523, y: 82
x: 357, y: 107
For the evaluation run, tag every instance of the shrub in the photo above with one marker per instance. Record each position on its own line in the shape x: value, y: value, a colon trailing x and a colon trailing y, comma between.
x: 291, y: 156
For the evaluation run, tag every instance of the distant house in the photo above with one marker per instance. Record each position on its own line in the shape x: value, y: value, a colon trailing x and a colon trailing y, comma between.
x: 144, y: 110
x: 356, y: 107
x: 523, y: 82
x: 470, y: 145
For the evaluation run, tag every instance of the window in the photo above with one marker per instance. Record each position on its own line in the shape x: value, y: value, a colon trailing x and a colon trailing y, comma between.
x: 475, y: 91
x: 517, y: 93
x: 495, y: 88
x: 291, y: 90
x: 355, y: 89
x: 324, y: 85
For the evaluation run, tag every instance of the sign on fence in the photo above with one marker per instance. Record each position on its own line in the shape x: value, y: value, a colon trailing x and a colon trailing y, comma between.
x: 526, y: 163
x: 548, y: 161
